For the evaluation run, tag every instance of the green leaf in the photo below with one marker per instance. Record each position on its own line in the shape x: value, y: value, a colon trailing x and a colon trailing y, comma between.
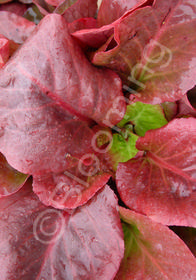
x: 144, y: 117
x: 123, y: 148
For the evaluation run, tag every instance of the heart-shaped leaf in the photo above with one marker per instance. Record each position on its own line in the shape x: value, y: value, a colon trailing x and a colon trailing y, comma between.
x: 152, y: 251
x: 45, y: 243
x: 162, y: 182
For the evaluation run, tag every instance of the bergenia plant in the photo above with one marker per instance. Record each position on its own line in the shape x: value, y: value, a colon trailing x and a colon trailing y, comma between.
x: 97, y: 140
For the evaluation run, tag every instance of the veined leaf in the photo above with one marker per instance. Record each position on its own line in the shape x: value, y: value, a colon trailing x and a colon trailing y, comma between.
x: 45, y: 243
x: 144, y: 117
x: 153, y: 251
x: 161, y: 182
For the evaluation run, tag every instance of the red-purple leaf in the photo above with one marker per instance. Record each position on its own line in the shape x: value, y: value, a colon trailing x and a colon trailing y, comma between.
x: 14, y: 7
x: 4, y: 50
x: 46, y: 143
x: 26, y: 1
x: 37, y: 136
x: 110, y: 10
x: 43, y: 74
x: 101, y: 37
x: 162, y: 182
x: 10, y: 179
x: 69, y: 189
x: 82, y: 23
x: 185, y: 108
x: 65, y: 74
x: 44, y: 243
x: 95, y: 37
x: 15, y: 27
x: 80, y: 9
x: 164, y: 69
x: 54, y: 2
x: 153, y: 251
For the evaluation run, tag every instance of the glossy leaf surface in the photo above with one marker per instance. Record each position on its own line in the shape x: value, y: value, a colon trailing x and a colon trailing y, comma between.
x: 155, y: 68
x: 123, y: 147
x: 71, y: 188
x: 153, y: 251
x: 40, y: 92
x: 162, y: 182
x: 48, y: 243
x: 144, y: 117
x: 47, y: 94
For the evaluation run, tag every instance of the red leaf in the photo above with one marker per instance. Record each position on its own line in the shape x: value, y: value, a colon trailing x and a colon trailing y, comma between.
x: 110, y: 10
x: 54, y: 2
x: 82, y: 23
x: 39, y: 92
x: 95, y: 37
x: 76, y: 91
x: 26, y: 1
x: 185, y: 108
x: 14, y: 7
x: 4, y: 50
x: 102, y: 37
x: 52, y: 244
x: 69, y: 189
x: 162, y: 182
x: 10, y: 179
x: 142, y: 54
x: 37, y: 136
x: 80, y: 9
x: 152, y: 251
x: 15, y: 27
